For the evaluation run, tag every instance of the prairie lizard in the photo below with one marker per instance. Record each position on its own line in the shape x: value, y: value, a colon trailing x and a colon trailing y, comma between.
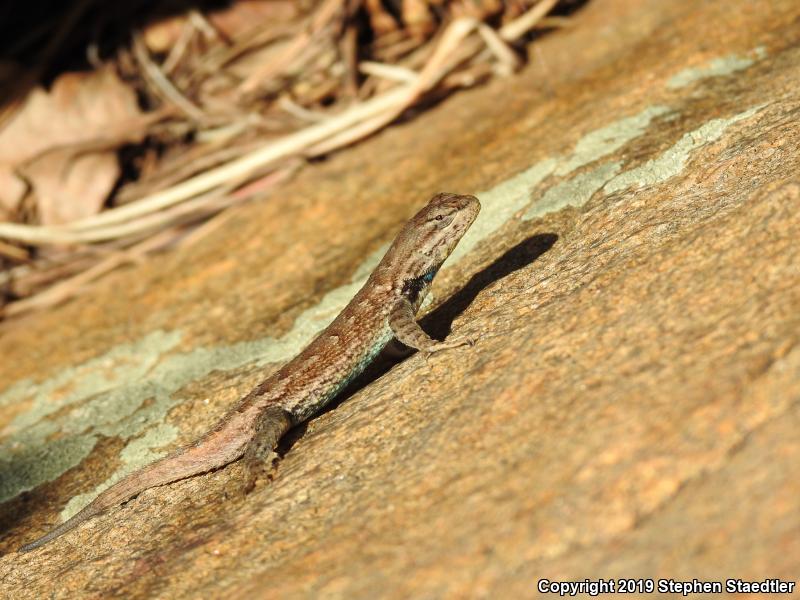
x: 384, y: 308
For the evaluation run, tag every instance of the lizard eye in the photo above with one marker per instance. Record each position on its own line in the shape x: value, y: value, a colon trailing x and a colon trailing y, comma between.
x: 442, y: 220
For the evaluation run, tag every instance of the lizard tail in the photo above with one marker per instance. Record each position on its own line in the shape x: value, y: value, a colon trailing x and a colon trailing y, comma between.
x: 182, y: 464
x: 218, y: 448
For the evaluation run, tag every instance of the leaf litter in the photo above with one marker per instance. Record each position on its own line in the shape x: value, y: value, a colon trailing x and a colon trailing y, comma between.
x: 219, y: 107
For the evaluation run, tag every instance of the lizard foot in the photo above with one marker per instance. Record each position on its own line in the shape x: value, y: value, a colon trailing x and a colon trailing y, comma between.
x: 447, y: 345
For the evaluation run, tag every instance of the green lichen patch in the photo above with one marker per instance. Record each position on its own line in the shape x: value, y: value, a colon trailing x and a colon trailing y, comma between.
x: 719, y: 67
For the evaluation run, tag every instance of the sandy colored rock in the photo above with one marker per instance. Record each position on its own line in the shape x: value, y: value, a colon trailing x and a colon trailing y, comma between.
x: 630, y: 411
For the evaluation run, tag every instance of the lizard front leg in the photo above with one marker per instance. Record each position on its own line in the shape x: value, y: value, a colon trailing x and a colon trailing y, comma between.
x: 406, y: 329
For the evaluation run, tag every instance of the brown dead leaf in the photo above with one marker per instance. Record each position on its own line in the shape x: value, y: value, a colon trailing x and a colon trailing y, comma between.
x: 12, y: 190
x: 62, y: 144
x: 69, y: 186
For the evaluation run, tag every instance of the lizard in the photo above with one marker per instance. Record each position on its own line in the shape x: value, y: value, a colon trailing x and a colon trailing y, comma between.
x: 384, y: 308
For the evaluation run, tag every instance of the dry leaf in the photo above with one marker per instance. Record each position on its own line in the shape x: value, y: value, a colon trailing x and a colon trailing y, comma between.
x: 12, y: 191
x: 69, y: 186
x: 63, y: 144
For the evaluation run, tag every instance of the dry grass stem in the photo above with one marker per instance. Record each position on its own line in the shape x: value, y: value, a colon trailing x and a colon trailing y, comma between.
x: 161, y: 84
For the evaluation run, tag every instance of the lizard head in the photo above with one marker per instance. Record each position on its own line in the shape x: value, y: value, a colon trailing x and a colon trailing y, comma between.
x: 440, y: 225
x: 430, y: 236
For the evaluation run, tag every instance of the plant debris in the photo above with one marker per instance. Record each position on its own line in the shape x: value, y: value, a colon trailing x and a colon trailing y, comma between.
x: 231, y: 103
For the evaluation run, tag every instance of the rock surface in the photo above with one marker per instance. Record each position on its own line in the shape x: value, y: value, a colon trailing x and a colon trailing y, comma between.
x: 632, y: 410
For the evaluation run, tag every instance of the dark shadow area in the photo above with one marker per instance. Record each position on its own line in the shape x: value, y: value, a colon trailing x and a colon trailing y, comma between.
x: 567, y: 8
x: 61, y: 31
x: 41, y: 39
x: 290, y: 438
x: 439, y: 322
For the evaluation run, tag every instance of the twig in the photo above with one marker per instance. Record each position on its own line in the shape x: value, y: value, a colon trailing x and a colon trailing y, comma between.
x: 348, y: 48
x: 390, y: 72
x: 195, y: 160
x: 509, y: 62
x: 202, y: 24
x: 256, y: 37
x: 316, y: 23
x: 294, y: 109
x: 13, y: 252
x: 241, y: 195
x: 70, y: 287
x: 161, y: 82
x: 515, y: 29
x: 438, y: 66
x: 179, y: 49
